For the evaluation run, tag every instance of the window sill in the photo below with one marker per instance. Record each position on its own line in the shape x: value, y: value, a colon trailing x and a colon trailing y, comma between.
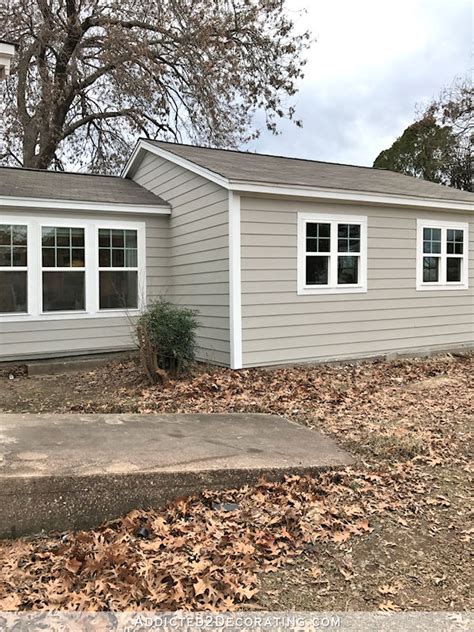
x: 51, y: 316
x: 345, y: 289
x: 442, y: 287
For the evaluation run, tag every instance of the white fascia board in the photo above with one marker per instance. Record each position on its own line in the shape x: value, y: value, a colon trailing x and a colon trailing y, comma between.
x: 343, y: 195
x: 73, y: 205
x: 177, y: 160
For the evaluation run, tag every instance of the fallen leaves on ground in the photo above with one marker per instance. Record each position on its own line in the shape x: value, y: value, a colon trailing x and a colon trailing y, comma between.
x: 390, y: 533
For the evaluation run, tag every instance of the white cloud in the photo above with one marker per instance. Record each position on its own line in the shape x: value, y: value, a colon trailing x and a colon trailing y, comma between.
x: 372, y: 63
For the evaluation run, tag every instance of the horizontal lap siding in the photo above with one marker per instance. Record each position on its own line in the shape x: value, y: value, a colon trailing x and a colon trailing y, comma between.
x: 199, y: 251
x: 75, y: 336
x: 281, y: 327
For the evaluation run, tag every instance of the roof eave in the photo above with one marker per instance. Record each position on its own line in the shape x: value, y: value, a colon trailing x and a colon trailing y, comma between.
x: 14, y: 202
x: 266, y: 188
x: 348, y: 196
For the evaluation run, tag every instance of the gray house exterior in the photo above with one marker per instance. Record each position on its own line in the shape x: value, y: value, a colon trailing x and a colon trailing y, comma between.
x: 287, y: 260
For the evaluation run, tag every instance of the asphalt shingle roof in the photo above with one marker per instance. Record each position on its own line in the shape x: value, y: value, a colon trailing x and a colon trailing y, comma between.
x: 60, y: 185
x: 268, y: 169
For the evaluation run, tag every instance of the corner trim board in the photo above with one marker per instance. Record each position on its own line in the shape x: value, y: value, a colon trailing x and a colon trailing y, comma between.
x: 235, y: 289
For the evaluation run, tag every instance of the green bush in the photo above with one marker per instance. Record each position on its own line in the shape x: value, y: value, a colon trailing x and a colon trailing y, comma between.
x: 167, y: 337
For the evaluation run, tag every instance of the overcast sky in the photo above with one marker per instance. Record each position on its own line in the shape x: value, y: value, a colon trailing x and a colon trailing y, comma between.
x: 373, y: 61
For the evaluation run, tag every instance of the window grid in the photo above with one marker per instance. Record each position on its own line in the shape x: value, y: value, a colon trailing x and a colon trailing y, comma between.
x: 60, y: 244
x: 13, y: 247
x: 118, y: 269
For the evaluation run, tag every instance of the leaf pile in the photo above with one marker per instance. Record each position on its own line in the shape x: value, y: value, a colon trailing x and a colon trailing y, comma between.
x: 197, y: 555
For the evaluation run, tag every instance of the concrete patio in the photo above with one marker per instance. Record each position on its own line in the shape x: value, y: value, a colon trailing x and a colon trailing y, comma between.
x: 61, y: 472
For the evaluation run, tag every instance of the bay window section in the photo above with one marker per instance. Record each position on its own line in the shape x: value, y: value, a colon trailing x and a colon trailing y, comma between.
x: 332, y: 254
x: 442, y: 255
x: 118, y: 269
x: 63, y: 269
x: 13, y: 269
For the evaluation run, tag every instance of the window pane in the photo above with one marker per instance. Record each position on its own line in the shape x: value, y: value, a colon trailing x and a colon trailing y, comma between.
x: 63, y: 291
x: 48, y: 258
x: 432, y: 240
x: 348, y: 238
x: 63, y: 258
x: 5, y: 235
x: 131, y: 259
x: 104, y: 237
x: 78, y: 260
x: 77, y: 237
x: 63, y: 236
x: 19, y: 256
x: 318, y: 237
x: 454, y: 242
x: 453, y: 269
x: 117, y: 259
x: 19, y: 234
x: 5, y: 256
x: 48, y: 236
x: 118, y: 289
x: 317, y: 270
x: 430, y: 269
x: 13, y: 292
x: 347, y: 270
x: 131, y: 238
x: 104, y: 257
x: 118, y: 239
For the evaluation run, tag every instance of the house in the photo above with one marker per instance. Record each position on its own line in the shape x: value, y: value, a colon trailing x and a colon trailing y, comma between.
x: 287, y: 260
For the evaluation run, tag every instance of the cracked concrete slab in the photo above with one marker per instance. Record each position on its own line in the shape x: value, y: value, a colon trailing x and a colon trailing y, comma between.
x: 60, y: 472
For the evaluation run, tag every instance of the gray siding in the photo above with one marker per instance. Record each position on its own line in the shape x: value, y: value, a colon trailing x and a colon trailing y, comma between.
x: 281, y: 327
x: 199, y: 249
x: 50, y: 338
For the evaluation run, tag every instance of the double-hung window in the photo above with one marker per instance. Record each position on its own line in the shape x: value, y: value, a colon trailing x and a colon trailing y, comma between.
x: 118, y: 268
x: 63, y: 269
x: 442, y: 251
x: 332, y: 253
x: 13, y: 268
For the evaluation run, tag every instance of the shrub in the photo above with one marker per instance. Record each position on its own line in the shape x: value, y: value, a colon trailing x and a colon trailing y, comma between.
x: 167, y: 338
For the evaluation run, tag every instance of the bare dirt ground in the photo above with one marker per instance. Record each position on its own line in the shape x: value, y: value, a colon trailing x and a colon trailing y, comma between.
x: 393, y: 532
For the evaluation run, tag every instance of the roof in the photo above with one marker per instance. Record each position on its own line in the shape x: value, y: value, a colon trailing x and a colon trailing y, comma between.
x: 62, y: 185
x: 280, y: 170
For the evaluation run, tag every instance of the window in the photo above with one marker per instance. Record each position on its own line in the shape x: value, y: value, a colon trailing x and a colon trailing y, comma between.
x: 442, y: 255
x: 13, y: 268
x: 53, y: 268
x: 118, y: 269
x: 63, y: 263
x: 332, y: 254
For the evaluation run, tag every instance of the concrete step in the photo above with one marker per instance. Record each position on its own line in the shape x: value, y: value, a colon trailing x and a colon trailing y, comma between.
x: 60, y: 472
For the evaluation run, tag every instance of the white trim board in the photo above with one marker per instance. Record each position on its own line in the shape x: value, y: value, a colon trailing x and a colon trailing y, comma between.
x: 264, y: 188
x: 235, y: 289
x: 7, y: 202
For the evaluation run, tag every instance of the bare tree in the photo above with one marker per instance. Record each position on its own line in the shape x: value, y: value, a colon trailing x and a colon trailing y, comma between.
x: 90, y: 75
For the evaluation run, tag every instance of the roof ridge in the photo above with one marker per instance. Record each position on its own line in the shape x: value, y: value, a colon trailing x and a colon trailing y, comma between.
x: 69, y: 173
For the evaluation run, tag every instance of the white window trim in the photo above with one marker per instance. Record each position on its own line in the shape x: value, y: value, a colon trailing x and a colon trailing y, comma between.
x: 35, y: 269
x: 440, y: 285
x: 302, y: 288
